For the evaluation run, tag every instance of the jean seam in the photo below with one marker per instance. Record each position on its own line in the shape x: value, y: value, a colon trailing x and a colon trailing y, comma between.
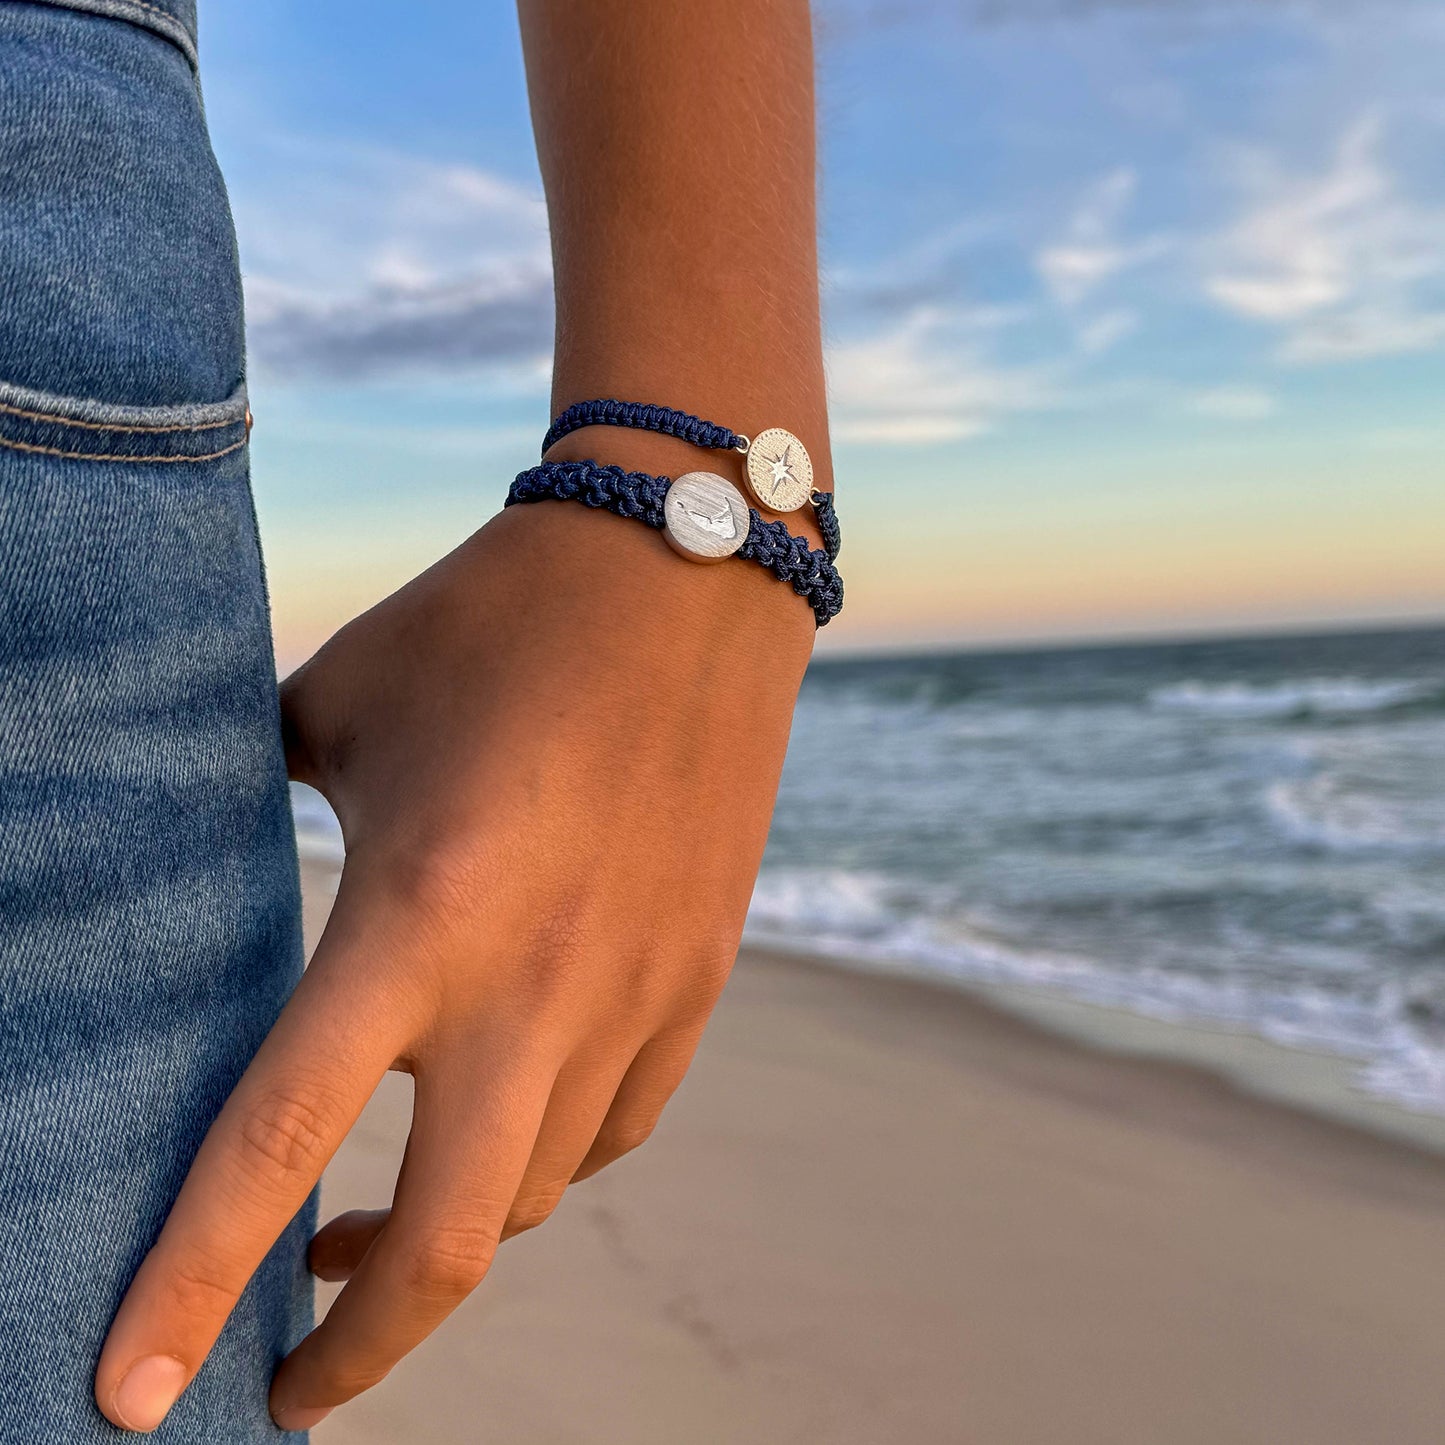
x: 162, y: 23
x: 33, y: 415
x: 115, y: 426
x: 154, y: 9
x: 114, y: 457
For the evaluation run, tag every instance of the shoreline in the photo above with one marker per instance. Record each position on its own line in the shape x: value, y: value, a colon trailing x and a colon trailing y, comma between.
x: 1163, y: 1060
x: 1311, y: 1080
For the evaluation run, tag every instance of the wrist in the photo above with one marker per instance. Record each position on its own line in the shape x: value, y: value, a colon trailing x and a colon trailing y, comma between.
x: 610, y: 573
x: 748, y: 387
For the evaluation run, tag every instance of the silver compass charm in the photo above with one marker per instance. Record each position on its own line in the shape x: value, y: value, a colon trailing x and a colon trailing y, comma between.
x: 705, y: 517
x: 779, y: 470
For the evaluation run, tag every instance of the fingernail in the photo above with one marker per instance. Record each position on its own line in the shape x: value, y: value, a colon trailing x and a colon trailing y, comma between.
x: 329, y: 1269
x: 148, y: 1390
x: 297, y: 1417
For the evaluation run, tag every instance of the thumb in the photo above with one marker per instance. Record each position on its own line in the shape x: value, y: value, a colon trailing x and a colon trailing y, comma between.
x: 300, y: 732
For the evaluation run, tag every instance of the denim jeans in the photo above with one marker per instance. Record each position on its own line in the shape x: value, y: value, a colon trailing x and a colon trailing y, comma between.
x: 149, y: 901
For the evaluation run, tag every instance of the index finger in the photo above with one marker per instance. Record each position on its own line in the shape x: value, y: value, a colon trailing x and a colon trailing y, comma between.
x: 257, y: 1166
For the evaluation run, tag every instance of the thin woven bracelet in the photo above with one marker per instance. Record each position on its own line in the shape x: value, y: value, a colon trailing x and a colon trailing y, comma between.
x: 776, y: 465
x: 702, y: 515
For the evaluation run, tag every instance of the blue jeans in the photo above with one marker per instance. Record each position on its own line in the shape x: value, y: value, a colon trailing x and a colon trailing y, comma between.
x: 149, y: 900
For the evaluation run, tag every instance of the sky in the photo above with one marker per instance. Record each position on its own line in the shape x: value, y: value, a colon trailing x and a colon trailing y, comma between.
x: 1135, y: 308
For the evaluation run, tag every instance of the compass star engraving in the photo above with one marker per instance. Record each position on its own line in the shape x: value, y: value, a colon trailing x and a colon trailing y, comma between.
x: 778, y: 470
x: 782, y: 472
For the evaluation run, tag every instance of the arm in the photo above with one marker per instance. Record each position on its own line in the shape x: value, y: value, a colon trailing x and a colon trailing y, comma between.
x: 676, y: 144
x: 554, y: 754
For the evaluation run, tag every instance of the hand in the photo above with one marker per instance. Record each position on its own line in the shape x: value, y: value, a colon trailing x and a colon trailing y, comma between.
x: 554, y: 757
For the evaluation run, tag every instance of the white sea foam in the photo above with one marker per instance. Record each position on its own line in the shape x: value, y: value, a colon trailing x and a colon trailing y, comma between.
x: 1320, y: 696
x: 1374, y: 789
x: 1325, y: 811
x: 318, y: 834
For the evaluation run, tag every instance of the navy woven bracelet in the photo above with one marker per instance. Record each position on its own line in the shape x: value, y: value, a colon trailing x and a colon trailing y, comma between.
x: 702, y: 515
x: 636, y: 414
x: 776, y: 465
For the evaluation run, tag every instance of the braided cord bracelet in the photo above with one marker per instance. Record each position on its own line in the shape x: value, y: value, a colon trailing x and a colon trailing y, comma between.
x: 665, y: 419
x: 702, y: 515
x: 776, y: 465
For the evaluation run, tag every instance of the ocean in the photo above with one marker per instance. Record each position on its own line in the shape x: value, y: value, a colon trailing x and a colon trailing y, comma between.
x: 1248, y: 832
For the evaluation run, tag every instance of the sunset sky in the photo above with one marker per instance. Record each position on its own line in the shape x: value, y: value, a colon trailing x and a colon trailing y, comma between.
x: 1136, y: 311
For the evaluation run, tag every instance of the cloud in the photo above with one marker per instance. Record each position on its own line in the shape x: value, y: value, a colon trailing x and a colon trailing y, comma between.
x: 491, y: 319
x: 924, y: 380
x: 1233, y: 403
x: 1293, y: 253
x: 1344, y: 261
x: 1090, y: 252
x: 1102, y: 333
x: 1365, y: 332
x: 929, y: 270
x: 1405, y: 439
x: 362, y: 263
x: 846, y: 18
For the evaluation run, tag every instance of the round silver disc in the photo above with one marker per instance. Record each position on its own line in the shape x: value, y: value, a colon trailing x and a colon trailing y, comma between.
x: 704, y: 517
x: 779, y: 470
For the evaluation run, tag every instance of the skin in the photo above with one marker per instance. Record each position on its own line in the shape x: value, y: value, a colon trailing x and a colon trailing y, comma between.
x: 554, y: 754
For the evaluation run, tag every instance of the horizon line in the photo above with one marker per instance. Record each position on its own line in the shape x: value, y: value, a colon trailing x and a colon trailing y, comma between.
x: 1095, y: 642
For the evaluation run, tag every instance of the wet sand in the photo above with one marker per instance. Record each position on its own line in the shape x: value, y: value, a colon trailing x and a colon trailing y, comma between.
x: 881, y: 1212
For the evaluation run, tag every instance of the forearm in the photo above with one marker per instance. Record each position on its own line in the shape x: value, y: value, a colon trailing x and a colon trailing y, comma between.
x: 677, y: 149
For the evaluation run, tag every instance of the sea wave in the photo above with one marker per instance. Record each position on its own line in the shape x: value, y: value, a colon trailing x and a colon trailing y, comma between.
x: 1327, y: 812
x: 1304, y: 697
x: 1373, y: 789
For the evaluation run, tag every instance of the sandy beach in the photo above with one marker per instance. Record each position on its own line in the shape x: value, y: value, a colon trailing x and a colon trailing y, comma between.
x: 882, y: 1211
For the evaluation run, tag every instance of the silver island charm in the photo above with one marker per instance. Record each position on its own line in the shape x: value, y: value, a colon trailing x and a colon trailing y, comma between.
x: 779, y: 470
x: 704, y: 517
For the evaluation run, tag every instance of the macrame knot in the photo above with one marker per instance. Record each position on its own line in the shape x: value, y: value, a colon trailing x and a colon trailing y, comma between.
x: 637, y: 495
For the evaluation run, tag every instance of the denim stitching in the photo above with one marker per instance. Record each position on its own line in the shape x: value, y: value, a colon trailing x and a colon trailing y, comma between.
x: 109, y: 457
x: 161, y: 21
x: 154, y: 9
x: 117, y: 426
